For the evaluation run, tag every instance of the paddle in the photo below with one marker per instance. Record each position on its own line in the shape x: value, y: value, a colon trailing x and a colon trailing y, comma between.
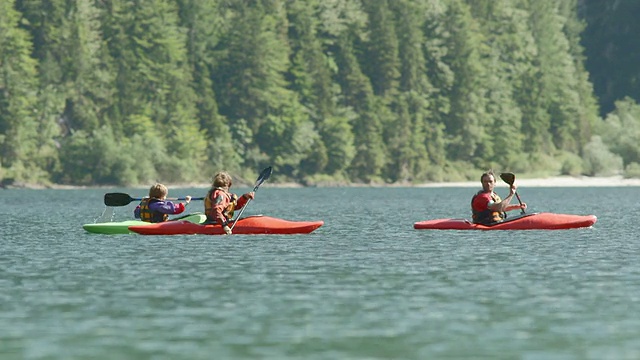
x: 122, y: 199
x: 510, y: 178
x: 264, y: 175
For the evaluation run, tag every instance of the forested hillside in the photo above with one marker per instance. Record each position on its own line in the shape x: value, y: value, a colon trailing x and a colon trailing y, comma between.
x: 612, y: 49
x: 127, y: 92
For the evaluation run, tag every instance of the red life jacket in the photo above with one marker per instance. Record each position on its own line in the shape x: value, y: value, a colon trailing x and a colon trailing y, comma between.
x: 487, y: 216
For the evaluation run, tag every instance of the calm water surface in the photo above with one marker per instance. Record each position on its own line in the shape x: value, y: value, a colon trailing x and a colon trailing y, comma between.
x: 366, y: 285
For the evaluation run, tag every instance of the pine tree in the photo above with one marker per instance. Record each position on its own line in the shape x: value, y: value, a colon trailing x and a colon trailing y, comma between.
x: 467, y: 120
x: 370, y: 157
x: 381, y: 49
x: 153, y: 81
x: 505, y: 59
x: 204, y: 23
x: 558, y: 74
x: 27, y: 149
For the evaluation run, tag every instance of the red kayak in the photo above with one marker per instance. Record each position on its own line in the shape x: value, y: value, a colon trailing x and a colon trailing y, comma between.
x: 533, y: 221
x: 252, y: 225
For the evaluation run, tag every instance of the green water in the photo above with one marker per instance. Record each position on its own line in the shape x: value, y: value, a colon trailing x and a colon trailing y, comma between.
x: 366, y: 285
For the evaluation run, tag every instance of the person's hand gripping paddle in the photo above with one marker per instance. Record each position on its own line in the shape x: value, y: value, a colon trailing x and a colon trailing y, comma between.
x: 510, y: 178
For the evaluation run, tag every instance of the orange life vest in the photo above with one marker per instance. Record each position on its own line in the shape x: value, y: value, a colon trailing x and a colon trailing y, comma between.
x: 148, y: 215
x: 209, y: 209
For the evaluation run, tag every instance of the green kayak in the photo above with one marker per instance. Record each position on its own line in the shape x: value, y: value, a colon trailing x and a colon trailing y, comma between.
x: 122, y: 227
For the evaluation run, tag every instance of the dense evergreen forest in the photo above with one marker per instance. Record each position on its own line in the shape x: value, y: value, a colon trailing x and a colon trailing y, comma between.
x: 127, y: 92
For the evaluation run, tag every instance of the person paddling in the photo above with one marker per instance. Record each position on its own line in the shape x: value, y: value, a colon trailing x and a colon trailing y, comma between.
x: 219, y: 204
x: 156, y: 208
x: 487, y: 207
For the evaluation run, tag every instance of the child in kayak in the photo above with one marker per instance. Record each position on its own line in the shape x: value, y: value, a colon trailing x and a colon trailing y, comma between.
x: 219, y: 204
x: 156, y: 208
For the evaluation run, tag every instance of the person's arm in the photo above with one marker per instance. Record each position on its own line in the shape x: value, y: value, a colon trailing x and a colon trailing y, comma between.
x: 180, y: 207
x: 167, y: 207
x: 242, y: 200
x: 136, y: 212
x: 220, y: 218
x: 503, y: 205
x: 516, y: 207
x: 221, y: 203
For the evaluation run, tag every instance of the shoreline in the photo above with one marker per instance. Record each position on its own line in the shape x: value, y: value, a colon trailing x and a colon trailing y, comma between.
x: 557, y: 181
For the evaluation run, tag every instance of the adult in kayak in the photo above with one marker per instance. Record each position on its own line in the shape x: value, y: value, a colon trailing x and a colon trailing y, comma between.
x: 155, y: 208
x: 219, y: 204
x: 487, y: 207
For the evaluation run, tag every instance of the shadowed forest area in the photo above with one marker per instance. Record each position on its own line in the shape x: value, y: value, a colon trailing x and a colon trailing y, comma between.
x: 128, y: 92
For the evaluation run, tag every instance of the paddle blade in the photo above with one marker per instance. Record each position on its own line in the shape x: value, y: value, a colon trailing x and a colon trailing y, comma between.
x: 117, y: 199
x: 509, y: 178
x: 264, y: 175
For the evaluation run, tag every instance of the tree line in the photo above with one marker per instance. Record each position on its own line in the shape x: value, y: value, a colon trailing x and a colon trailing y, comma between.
x: 127, y: 92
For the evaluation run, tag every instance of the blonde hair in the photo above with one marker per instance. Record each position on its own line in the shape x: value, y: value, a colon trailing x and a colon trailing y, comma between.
x: 158, y: 191
x: 222, y: 179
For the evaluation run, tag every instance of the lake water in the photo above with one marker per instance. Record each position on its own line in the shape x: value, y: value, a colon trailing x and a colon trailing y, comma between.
x: 366, y: 285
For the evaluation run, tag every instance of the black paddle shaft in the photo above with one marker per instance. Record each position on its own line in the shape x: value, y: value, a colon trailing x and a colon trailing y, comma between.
x: 264, y: 175
x: 122, y: 199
